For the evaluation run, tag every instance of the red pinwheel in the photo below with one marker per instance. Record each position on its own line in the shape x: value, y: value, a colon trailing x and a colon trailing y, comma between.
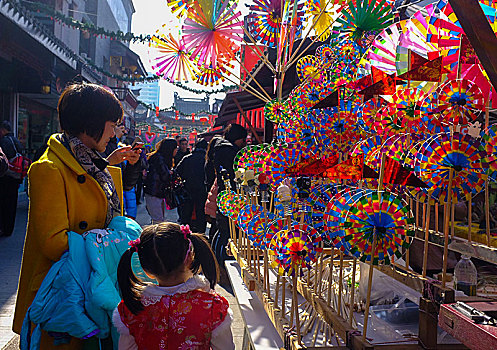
x: 460, y: 101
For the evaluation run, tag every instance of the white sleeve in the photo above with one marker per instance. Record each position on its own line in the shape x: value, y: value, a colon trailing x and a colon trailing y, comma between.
x: 126, y: 340
x: 222, y: 338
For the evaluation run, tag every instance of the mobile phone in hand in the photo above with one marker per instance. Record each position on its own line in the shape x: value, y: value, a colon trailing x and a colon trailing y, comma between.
x: 136, y: 145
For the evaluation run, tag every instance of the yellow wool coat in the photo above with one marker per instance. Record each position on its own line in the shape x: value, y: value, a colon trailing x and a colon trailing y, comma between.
x: 62, y: 197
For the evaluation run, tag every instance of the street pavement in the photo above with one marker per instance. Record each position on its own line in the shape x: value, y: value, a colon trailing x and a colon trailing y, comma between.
x: 10, y: 262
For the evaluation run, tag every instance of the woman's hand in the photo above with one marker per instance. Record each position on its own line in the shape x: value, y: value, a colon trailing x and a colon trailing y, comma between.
x: 122, y: 154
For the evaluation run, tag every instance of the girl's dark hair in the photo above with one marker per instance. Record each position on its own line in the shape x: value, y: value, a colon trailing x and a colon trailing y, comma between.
x: 85, y: 108
x: 209, y: 154
x: 165, y: 147
x: 162, y: 251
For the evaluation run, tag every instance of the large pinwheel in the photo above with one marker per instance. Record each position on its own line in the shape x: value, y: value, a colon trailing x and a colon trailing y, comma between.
x: 247, y: 213
x: 297, y: 249
x: 210, y: 76
x: 380, y: 219
x: 179, y: 7
x: 371, y: 148
x: 230, y: 204
x: 319, y: 198
x: 251, y: 158
x: 459, y: 154
x: 326, y: 55
x: 383, y: 51
x: 277, y: 111
x: 172, y: 59
x: 460, y: 101
x: 211, y: 30
x: 367, y: 113
x: 411, y: 104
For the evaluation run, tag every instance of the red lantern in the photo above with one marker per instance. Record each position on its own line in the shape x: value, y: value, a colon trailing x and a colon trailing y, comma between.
x: 203, y: 119
x: 139, y: 132
x: 149, y: 128
x: 193, y: 117
x: 164, y: 128
x: 156, y: 111
x: 176, y: 115
x: 181, y: 129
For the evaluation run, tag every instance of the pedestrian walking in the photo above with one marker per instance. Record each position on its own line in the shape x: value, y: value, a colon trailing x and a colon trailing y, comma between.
x: 10, y: 181
x: 182, y: 151
x: 191, y: 170
x: 160, y: 163
x: 182, y: 311
x: 71, y: 188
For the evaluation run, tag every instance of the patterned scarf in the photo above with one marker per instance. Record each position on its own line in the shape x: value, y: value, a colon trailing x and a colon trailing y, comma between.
x: 88, y: 159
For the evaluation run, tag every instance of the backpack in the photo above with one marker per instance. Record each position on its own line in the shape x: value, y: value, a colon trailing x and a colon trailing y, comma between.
x: 18, y: 164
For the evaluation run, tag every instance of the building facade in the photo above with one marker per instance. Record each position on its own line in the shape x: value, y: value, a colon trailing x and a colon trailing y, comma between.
x: 148, y: 93
x: 39, y: 57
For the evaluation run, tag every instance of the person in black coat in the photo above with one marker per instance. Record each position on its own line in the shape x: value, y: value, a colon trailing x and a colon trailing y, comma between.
x: 160, y: 163
x: 9, y: 182
x: 191, y: 170
x: 4, y: 163
x: 225, y: 150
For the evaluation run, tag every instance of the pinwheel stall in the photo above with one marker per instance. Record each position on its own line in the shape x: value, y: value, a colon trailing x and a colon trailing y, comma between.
x: 378, y: 168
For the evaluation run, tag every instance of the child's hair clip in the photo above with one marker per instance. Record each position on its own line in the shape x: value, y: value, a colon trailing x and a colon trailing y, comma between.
x: 185, y: 229
x: 134, y: 244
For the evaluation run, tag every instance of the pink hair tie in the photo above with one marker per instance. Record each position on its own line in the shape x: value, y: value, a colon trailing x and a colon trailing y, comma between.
x: 134, y: 244
x: 185, y: 229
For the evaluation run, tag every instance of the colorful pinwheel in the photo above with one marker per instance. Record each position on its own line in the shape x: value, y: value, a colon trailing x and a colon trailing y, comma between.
x: 179, y: 7
x: 460, y: 101
x: 321, y: 18
x: 257, y: 227
x: 310, y: 70
x: 489, y: 136
x: 411, y: 103
x: 211, y: 31
x: 382, y: 217
x: 297, y: 249
x: 371, y: 148
x: 326, y: 55
x: 459, y: 153
x: 383, y: 51
x: 247, y: 213
x: 277, y: 111
x: 172, y: 59
x: 230, y: 203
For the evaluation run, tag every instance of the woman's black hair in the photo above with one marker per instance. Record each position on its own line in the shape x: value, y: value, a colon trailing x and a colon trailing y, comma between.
x: 165, y: 147
x: 162, y: 251
x: 85, y: 108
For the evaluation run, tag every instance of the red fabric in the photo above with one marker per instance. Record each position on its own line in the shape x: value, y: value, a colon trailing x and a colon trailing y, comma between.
x: 181, y: 321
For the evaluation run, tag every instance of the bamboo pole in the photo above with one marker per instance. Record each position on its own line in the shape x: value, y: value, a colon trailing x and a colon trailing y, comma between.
x: 452, y: 219
x: 330, y: 276
x: 436, y: 217
x: 487, y: 212
x: 295, y: 302
x: 370, y: 283
x: 340, y: 285
x: 259, y: 52
x: 426, y: 242
x: 352, y: 293
x: 470, y: 223
x: 446, y: 228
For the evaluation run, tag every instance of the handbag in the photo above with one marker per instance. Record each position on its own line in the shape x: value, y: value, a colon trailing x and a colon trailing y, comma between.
x: 176, y: 193
x: 18, y: 165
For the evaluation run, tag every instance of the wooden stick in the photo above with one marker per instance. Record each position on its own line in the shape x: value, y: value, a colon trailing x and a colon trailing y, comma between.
x: 321, y: 255
x: 487, y: 212
x: 436, y: 217
x: 470, y: 223
x: 352, y: 293
x: 452, y: 219
x: 340, y: 285
x: 330, y: 276
x: 446, y: 228
x: 260, y: 53
x: 277, y: 289
x: 295, y: 301
x: 368, y: 295
x: 283, y: 296
x: 427, y: 239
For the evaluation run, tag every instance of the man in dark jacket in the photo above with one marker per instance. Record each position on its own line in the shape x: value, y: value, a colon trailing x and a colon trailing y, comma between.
x: 225, y: 150
x: 191, y: 170
x: 9, y: 183
x: 182, y: 151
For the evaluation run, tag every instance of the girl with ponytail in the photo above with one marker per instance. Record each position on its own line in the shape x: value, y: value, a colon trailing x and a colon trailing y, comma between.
x: 182, y: 311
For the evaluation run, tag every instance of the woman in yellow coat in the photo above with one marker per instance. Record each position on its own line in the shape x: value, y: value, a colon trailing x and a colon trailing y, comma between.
x: 71, y: 188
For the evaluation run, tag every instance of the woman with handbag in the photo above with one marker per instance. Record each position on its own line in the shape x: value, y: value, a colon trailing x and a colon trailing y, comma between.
x: 158, y: 183
x: 71, y: 188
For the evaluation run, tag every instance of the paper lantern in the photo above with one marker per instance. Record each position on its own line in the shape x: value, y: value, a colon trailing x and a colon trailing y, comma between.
x: 176, y: 115
x: 156, y: 111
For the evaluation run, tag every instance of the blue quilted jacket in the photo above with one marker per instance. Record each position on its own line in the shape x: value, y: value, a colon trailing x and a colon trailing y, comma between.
x: 80, y: 291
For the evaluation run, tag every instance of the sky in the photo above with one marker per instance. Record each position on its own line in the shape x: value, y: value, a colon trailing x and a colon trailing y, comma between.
x: 150, y: 15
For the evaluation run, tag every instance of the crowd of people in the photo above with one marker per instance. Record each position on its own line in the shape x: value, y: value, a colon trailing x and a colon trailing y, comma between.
x: 92, y: 172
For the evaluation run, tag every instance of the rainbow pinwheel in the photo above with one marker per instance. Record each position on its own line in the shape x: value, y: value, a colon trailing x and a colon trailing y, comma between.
x: 278, y: 159
x: 383, y: 51
x: 364, y: 18
x: 172, y: 59
x: 210, y: 76
x: 230, y: 203
x: 297, y: 249
x: 411, y: 103
x: 367, y: 112
x: 277, y: 111
x: 223, y: 201
x: 211, y: 31
x: 326, y: 55
x: 334, y: 216
x: 309, y: 70
x: 388, y: 122
x: 251, y: 157
x: 489, y: 136
x: 461, y: 153
x: 257, y: 227
x: 247, y: 213
x: 403, y: 148
x: 380, y: 216
x: 334, y: 129
x: 460, y: 101
x: 319, y: 198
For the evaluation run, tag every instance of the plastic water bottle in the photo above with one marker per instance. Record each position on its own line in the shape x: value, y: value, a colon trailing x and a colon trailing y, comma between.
x: 466, y: 276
